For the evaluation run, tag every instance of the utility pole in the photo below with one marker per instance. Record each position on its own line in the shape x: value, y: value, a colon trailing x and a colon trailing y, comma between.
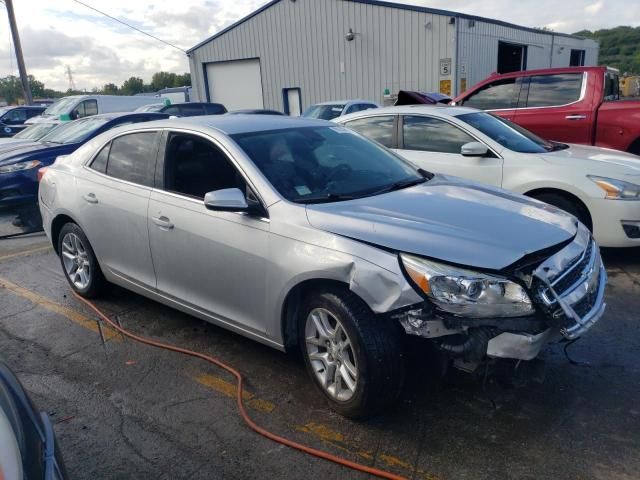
x: 18, y: 47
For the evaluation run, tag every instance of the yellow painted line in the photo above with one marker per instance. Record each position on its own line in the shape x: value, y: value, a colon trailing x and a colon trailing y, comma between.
x: 317, y: 430
x: 22, y: 253
x: 229, y: 389
x: 337, y: 440
x: 73, y: 315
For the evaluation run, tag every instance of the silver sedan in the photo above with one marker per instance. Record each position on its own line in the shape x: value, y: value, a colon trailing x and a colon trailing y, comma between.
x: 301, y: 233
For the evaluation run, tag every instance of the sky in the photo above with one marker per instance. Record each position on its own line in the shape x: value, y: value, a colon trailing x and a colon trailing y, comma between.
x: 99, y: 50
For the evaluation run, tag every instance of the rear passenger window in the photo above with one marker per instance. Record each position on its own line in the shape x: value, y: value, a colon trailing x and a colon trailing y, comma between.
x: 195, y: 166
x: 494, y: 96
x: 554, y: 90
x: 132, y: 157
x: 215, y: 109
x: 99, y: 163
x: 191, y: 110
x: 379, y: 128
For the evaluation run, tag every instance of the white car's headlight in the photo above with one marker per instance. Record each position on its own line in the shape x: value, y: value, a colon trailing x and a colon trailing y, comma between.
x: 617, y: 189
x: 16, y: 167
x: 465, y: 292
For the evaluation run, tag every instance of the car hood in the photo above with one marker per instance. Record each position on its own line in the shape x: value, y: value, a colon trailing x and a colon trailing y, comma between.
x: 596, y: 160
x: 18, y: 152
x: 449, y: 219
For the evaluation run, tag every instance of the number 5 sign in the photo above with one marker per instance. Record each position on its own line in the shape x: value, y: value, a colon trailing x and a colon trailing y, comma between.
x: 445, y: 67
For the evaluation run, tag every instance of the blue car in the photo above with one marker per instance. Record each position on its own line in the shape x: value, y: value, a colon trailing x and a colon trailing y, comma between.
x: 19, y: 164
x: 12, y: 118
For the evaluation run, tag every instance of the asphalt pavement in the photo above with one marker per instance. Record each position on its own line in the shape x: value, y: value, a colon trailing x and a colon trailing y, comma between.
x: 123, y: 410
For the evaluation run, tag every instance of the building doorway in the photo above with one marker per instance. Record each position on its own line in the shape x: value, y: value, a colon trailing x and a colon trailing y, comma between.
x: 292, y: 101
x: 512, y: 57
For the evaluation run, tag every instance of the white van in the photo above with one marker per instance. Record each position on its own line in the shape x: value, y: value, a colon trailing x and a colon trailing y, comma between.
x: 79, y: 106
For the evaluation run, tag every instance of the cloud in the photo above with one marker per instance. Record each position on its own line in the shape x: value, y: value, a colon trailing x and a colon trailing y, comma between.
x: 594, y: 8
x: 100, y: 50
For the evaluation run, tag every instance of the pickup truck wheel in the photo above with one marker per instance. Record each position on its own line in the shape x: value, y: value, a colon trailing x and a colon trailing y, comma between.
x: 576, y: 209
x: 79, y: 263
x: 354, y: 358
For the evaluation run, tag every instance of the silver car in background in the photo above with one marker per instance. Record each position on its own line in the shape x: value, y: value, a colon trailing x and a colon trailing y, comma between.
x: 302, y: 233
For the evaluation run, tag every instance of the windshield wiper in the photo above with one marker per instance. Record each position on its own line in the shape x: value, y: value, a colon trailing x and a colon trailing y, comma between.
x: 400, y: 185
x: 324, y: 198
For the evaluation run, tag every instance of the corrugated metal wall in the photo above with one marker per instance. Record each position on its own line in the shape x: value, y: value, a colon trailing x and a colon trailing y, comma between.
x: 478, y: 49
x: 302, y: 44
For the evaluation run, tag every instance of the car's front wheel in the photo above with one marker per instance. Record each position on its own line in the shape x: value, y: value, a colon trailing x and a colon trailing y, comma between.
x: 354, y: 357
x: 79, y: 263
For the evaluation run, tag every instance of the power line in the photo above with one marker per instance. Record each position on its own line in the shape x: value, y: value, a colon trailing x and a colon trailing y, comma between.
x: 130, y: 26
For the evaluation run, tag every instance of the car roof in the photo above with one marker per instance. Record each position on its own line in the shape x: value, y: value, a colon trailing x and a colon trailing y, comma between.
x: 114, y: 115
x: 344, y: 102
x: 438, y: 110
x: 192, y: 103
x: 233, y: 124
x: 11, y: 107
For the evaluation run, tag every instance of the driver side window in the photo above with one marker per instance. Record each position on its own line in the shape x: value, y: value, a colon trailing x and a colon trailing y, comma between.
x: 194, y: 166
x: 18, y: 115
x: 87, y: 108
x: 433, y: 135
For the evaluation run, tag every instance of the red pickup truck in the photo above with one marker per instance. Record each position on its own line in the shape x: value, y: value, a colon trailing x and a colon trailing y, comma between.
x: 573, y: 105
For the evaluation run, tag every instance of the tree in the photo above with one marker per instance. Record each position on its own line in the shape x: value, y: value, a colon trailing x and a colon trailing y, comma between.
x: 161, y: 80
x: 132, y: 86
x: 37, y: 88
x: 110, y: 89
x: 183, y: 80
x: 10, y: 89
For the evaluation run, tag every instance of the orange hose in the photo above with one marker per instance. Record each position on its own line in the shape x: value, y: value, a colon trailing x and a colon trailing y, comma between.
x: 243, y: 412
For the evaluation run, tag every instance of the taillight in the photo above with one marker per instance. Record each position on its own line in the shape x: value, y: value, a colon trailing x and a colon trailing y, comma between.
x: 41, y: 172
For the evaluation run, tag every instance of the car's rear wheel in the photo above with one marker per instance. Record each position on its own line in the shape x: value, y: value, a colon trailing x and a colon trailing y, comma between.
x: 78, y: 261
x: 576, y: 209
x: 355, y: 358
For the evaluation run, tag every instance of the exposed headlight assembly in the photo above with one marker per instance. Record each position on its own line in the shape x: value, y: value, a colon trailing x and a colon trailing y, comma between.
x: 465, y: 292
x: 617, y: 189
x: 16, y: 167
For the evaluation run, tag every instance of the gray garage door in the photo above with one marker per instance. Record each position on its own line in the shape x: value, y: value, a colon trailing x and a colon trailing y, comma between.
x: 236, y: 84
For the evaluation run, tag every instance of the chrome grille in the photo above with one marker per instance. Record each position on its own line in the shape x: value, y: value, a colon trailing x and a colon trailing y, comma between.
x: 575, y: 296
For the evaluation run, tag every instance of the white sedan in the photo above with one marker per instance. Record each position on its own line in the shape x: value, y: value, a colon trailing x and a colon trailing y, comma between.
x: 601, y: 187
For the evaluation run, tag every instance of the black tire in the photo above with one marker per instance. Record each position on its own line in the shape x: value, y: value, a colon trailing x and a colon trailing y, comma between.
x: 376, y: 345
x: 96, y: 282
x: 570, y: 206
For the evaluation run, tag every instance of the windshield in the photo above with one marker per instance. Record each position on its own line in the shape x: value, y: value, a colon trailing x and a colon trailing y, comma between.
x: 323, y: 164
x: 3, y: 111
x: 323, y: 112
x: 36, y: 131
x: 61, y: 106
x: 508, y: 134
x: 76, y: 131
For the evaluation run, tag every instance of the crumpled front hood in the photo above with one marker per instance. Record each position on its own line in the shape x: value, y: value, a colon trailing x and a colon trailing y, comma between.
x: 451, y: 220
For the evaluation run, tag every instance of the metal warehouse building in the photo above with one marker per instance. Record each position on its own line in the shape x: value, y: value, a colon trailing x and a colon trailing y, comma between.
x: 290, y: 54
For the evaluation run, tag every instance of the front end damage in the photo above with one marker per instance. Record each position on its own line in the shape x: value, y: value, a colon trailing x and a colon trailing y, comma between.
x: 567, y: 292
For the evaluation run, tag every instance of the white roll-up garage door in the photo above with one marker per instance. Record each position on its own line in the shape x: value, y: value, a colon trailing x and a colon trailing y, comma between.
x: 236, y: 84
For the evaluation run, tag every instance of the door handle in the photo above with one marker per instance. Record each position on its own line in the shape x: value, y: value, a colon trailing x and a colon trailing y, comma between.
x: 575, y: 117
x: 90, y: 198
x: 163, y: 222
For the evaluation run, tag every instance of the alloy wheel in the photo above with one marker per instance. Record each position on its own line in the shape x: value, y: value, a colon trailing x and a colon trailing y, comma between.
x: 76, y: 261
x: 330, y: 352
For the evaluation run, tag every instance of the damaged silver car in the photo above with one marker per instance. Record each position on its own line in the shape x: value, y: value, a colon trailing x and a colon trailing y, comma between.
x: 303, y: 234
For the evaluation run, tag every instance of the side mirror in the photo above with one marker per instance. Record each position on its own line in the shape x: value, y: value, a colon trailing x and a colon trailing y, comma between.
x: 474, y: 149
x: 74, y: 115
x: 226, y: 200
